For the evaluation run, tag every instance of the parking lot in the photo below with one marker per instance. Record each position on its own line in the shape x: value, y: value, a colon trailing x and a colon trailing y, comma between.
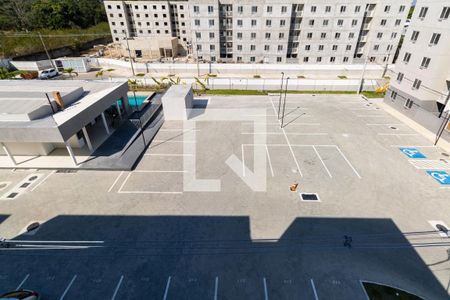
x: 125, y: 235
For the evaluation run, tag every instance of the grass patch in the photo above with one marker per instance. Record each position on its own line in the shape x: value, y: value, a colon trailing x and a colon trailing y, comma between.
x: 373, y: 94
x: 23, y: 45
x: 342, y: 77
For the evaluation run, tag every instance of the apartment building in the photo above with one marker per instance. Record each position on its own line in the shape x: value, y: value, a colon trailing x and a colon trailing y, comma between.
x: 421, y: 80
x: 270, y: 31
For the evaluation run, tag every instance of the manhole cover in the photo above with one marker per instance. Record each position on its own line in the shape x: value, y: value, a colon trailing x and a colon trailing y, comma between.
x: 32, y: 178
x: 393, y: 128
x: 12, y: 195
x: 445, y: 154
x: 309, y: 197
x: 33, y: 226
x: 24, y: 185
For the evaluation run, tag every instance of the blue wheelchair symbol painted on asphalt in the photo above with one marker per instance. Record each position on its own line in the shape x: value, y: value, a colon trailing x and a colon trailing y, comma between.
x: 441, y: 176
x: 412, y: 153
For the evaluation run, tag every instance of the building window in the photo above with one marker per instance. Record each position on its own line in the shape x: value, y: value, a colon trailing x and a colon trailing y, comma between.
x: 313, y: 9
x: 268, y: 23
x: 383, y: 22
x: 340, y: 22
x: 211, y: 35
x: 280, y: 47
x: 305, y: 59
x: 393, y: 95
x: 199, y: 47
x: 267, y: 35
x: 213, y: 58
x: 210, y: 9
x: 282, y: 23
x: 402, y: 9
x: 387, y: 8
x: 414, y: 36
x: 309, y: 35
x: 212, y: 47
x: 196, y: 9
x: 325, y: 23
x: 197, y: 22
x: 211, y: 23
x: 337, y: 35
x: 332, y: 59
x: 239, y: 58
x: 407, y: 57
x: 445, y: 13
x: 279, y: 59
x: 266, y: 47
x: 239, y: 47
x: 354, y: 22
x: 379, y: 35
x: 308, y: 47
x: 252, y: 59
x: 346, y: 59
x: 335, y: 47
x: 253, y: 35
x: 254, y: 9
x: 281, y: 36
x: 357, y: 9
x: 283, y: 9
x: 398, y: 22
x: 400, y: 77
x: 118, y: 6
x: 423, y: 12
x: 253, y: 22
x: 320, y: 47
x: 269, y: 9
x: 240, y: 10
x: 239, y: 35
x: 239, y: 23
x: 348, y: 47
x: 198, y: 35
x: 393, y: 35
x: 318, y: 59
x: 425, y: 63
x: 322, y: 35
x: 376, y: 47
x: 311, y: 22
x: 343, y: 8
x: 327, y: 9
x: 409, y: 103
x: 351, y: 35
x: 435, y: 38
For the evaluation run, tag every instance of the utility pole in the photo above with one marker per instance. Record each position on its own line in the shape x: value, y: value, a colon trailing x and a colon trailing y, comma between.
x: 129, y: 54
x: 46, y: 51
x: 387, y: 64
x: 281, y: 92
x: 196, y: 54
x: 284, y: 103
x: 361, y: 82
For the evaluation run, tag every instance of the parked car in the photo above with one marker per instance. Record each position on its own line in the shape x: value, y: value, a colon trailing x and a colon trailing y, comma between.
x: 48, y: 73
x: 20, y: 295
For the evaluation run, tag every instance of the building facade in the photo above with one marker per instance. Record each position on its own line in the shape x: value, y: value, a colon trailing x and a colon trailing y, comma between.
x: 271, y: 31
x: 420, y: 83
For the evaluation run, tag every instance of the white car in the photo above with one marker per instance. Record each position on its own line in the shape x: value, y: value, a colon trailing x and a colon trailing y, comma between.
x: 48, y: 73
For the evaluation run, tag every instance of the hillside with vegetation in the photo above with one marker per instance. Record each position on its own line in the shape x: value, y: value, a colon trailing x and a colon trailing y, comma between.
x: 60, y: 22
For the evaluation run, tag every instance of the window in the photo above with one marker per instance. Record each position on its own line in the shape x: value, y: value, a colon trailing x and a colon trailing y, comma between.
x: 252, y: 59
x: 343, y: 8
x: 337, y: 35
x: 383, y: 22
x: 402, y: 8
x: 269, y: 9
x: 348, y: 47
x: 416, y: 84
x: 335, y: 47
x: 379, y: 35
x: 376, y: 47
x: 325, y: 23
x: 409, y: 103
x: 414, y: 36
x: 268, y: 23
x: 322, y: 35
x: 393, y: 95
x: 309, y: 35
x: 354, y: 22
x: 340, y: 22
x: 197, y: 22
x: 213, y: 58
x: 311, y: 22
x: 281, y: 35
x: 253, y: 22
x: 181, y: 7
x: 357, y: 9
x: 240, y: 10
x: 280, y: 47
x: 332, y: 59
x: 400, y: 77
x: 109, y: 7
x: 435, y: 39
x: 199, y: 47
x: 351, y: 35
x: 346, y: 59
x: 279, y: 59
x: 266, y: 48
x: 239, y: 35
x: 423, y: 12
x: 398, y: 22
x: 253, y: 35
x: 308, y: 47
x: 425, y: 62
x: 120, y: 15
x: 211, y: 22
x: 239, y: 58
x: 211, y: 35
x: 239, y: 23
x: 305, y: 59
x: 284, y: 9
x: 327, y: 8
x: 155, y: 15
x: 113, y: 23
x: 254, y: 9
x: 210, y: 9
x: 136, y: 7
x: 320, y: 47
x: 393, y: 35
x: 196, y: 9
x: 387, y: 8
x: 313, y: 9
x: 282, y: 23
x: 118, y: 6
x: 318, y: 59
x: 407, y: 57
x: 445, y: 13
x: 212, y: 47
x: 267, y: 35
x: 239, y: 47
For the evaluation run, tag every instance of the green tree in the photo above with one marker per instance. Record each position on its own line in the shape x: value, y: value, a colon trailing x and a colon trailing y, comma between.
x: 71, y: 72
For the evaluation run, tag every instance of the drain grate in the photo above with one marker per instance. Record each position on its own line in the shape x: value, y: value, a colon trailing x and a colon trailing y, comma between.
x: 309, y: 197
x: 12, y: 195
x: 26, y: 184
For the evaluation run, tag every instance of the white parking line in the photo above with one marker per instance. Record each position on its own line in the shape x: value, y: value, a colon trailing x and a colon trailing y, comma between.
x: 216, y: 287
x: 371, y: 116
x: 115, y: 181
x: 290, y: 133
x: 166, y: 292
x: 42, y: 181
x: 399, y: 134
x: 348, y: 162
x: 166, y: 154
x: 266, y: 294
x: 389, y: 124
x: 68, y: 287
x: 123, y: 183
x: 270, y: 162
x: 314, y: 290
x: 117, y: 288
x: 22, y: 282
x: 243, y: 160
x: 323, y: 163
x: 276, y: 123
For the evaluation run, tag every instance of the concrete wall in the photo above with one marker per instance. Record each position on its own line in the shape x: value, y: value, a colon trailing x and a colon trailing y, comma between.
x: 28, y: 148
x: 31, y: 65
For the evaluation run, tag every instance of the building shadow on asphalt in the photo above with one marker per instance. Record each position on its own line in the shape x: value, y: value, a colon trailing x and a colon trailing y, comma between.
x: 336, y: 253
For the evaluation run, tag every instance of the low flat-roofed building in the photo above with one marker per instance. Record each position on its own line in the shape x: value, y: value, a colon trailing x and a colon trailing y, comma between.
x: 39, y: 117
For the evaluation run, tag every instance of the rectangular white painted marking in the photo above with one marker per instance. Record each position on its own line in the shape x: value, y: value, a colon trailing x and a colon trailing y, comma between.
x: 43, y: 180
x: 266, y: 294
x: 216, y: 287
x: 68, y: 287
x: 166, y: 292
x: 117, y: 288
x: 323, y: 163
x: 433, y: 224
x: 125, y: 181
x: 115, y: 181
x: 270, y: 162
x: 314, y: 290
x: 429, y: 164
x: 22, y: 282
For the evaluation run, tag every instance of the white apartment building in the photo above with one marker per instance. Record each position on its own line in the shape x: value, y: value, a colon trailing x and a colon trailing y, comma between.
x: 421, y: 81
x: 296, y: 31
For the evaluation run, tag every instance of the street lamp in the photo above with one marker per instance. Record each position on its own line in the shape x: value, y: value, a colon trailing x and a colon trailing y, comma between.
x: 281, y: 91
x: 129, y: 54
x: 284, y: 103
x: 196, y: 53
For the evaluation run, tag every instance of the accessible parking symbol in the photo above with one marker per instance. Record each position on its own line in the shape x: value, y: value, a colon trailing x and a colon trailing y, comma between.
x: 412, y: 153
x: 441, y: 176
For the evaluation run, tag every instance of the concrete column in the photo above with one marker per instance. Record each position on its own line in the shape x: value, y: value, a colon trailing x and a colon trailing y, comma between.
x: 118, y: 109
x: 72, y: 155
x: 104, y: 123
x: 88, y: 140
x: 8, y: 153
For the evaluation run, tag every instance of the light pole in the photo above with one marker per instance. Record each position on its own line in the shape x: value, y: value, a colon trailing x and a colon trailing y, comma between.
x: 46, y: 51
x: 361, y: 82
x: 281, y: 92
x: 196, y: 53
x: 387, y: 63
x: 129, y: 54
x: 284, y: 103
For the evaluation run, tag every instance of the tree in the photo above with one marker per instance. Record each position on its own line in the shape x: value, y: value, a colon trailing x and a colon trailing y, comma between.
x: 70, y: 72
x: 100, y: 74
x: 7, y: 74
